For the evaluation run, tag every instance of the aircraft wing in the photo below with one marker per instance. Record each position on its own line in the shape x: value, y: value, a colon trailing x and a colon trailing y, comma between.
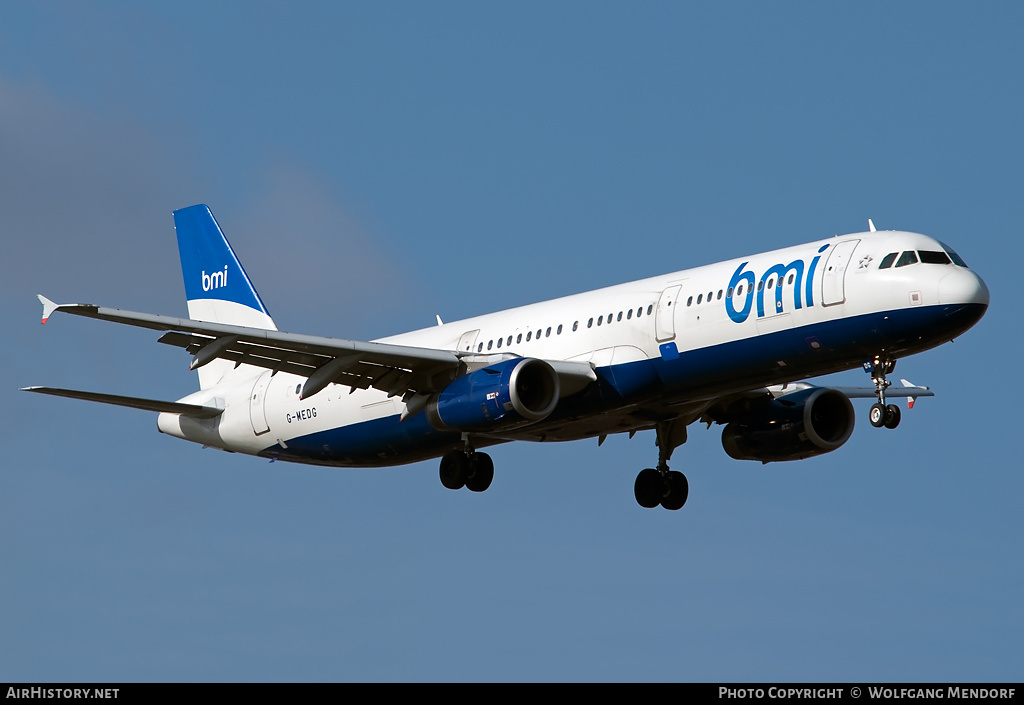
x: 908, y: 390
x: 395, y: 369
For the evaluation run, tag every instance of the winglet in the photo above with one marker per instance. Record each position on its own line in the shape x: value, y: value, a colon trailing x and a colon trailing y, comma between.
x: 48, y: 307
x: 871, y: 226
x: 910, y: 400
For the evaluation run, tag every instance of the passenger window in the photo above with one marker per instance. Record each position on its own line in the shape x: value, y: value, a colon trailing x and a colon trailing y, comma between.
x: 700, y: 297
x: 760, y: 285
x: 610, y: 316
x: 933, y: 257
x: 791, y: 278
x: 575, y: 325
x: 770, y: 282
x: 489, y: 344
x: 689, y: 301
x: 480, y: 347
x: 547, y: 334
x: 519, y: 339
x: 719, y: 294
x: 590, y: 323
x: 559, y: 331
x: 908, y: 257
x: 728, y: 294
x: 649, y: 309
x: 888, y: 260
x: 739, y: 290
x: 509, y: 341
x: 619, y: 317
x: 629, y: 314
x: 499, y: 342
x: 529, y: 335
x: 600, y: 320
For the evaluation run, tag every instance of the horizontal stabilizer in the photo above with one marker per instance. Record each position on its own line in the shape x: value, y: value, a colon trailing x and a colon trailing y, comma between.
x: 170, y: 407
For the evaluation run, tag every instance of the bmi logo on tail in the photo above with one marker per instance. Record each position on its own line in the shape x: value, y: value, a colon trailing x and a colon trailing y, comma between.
x: 217, y: 280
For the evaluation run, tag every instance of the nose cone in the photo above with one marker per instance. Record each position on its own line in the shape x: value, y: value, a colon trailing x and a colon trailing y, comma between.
x: 962, y: 286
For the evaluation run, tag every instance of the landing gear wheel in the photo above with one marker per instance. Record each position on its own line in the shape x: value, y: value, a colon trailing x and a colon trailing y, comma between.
x: 877, y: 415
x: 660, y: 485
x: 481, y: 472
x: 454, y: 469
x: 678, y: 490
x: 882, y: 415
x: 649, y: 488
x: 892, y: 416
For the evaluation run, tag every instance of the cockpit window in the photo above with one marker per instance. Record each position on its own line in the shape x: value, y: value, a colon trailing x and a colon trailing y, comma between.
x: 888, y: 260
x: 928, y: 257
x: 957, y: 259
x: 908, y: 257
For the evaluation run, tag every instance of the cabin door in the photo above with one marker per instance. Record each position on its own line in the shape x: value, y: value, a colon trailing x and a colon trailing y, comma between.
x: 833, y: 289
x: 257, y: 408
x: 468, y: 340
x: 664, y: 318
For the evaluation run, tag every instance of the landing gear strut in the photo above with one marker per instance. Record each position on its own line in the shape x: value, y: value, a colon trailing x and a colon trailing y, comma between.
x: 466, y: 468
x: 882, y: 414
x: 655, y: 486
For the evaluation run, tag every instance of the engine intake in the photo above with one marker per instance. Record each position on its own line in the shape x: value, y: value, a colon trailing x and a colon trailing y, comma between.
x: 793, y: 427
x: 508, y: 394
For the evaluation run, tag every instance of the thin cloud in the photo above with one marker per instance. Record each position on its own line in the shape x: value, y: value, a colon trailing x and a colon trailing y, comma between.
x: 85, y: 214
x: 85, y: 199
x: 310, y: 258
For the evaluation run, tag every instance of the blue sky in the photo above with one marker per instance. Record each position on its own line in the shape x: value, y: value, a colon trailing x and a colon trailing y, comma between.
x: 377, y: 164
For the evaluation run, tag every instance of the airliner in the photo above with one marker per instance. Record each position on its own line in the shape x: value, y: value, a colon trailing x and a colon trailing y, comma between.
x: 730, y: 343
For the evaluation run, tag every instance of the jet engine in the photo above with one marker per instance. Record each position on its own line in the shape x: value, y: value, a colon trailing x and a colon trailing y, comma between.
x: 505, y: 395
x: 792, y: 427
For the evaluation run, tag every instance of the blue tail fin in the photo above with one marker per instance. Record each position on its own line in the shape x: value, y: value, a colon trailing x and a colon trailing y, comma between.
x: 209, y: 265
x: 216, y: 286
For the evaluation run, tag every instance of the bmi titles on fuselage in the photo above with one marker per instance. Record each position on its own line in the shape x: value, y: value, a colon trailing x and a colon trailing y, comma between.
x: 742, y: 284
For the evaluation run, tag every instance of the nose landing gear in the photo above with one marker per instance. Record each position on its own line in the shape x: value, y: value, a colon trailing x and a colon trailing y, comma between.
x: 882, y: 414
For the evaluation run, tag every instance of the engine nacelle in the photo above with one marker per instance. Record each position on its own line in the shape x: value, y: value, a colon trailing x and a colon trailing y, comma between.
x: 793, y: 427
x: 505, y: 395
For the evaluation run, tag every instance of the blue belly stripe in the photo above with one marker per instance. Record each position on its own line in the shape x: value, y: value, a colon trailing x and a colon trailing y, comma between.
x: 808, y: 351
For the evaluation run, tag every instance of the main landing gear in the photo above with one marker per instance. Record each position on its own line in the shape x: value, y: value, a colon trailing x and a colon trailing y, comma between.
x: 655, y: 486
x: 882, y: 414
x: 466, y: 468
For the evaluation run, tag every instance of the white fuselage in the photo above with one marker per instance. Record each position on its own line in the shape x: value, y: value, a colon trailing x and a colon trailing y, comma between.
x: 813, y: 305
